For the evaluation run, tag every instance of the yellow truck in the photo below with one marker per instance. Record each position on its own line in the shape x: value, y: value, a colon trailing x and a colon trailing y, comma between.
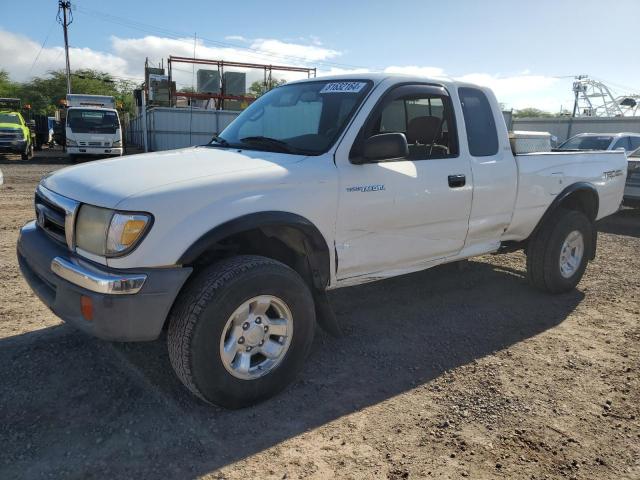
x: 15, y: 134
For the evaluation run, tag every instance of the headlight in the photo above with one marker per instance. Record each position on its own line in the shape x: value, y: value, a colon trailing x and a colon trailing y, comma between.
x: 71, y: 143
x: 116, y: 143
x: 109, y: 233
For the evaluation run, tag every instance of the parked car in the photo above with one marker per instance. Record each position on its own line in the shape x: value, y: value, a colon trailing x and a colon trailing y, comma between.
x: 602, y: 141
x: 632, y: 187
x: 319, y: 184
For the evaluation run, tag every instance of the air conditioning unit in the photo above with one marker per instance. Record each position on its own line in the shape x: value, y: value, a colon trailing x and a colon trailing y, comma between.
x: 208, y: 81
x: 235, y: 83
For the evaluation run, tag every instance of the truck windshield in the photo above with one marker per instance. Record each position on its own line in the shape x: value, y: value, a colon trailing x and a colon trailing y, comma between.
x: 590, y: 142
x: 92, y: 121
x: 9, y: 118
x: 301, y: 118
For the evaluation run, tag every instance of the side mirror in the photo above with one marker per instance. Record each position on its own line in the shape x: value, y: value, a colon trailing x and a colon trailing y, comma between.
x: 384, y: 146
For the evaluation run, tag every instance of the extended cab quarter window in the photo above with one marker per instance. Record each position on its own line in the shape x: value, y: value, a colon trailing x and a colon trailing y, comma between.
x: 423, y: 115
x: 478, y: 119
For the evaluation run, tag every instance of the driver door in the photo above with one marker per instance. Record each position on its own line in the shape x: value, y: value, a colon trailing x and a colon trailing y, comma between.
x: 403, y: 213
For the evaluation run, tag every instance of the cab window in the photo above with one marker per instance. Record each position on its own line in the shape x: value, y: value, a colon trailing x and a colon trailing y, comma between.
x: 424, y: 117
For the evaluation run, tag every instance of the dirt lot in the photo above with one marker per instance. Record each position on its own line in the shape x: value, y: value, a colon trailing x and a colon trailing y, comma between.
x: 453, y: 372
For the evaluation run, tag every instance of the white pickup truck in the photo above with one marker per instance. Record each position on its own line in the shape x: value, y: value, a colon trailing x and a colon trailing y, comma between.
x: 319, y: 184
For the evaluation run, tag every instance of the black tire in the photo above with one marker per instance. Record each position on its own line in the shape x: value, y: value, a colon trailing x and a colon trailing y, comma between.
x: 198, y: 319
x: 28, y: 153
x: 544, y: 250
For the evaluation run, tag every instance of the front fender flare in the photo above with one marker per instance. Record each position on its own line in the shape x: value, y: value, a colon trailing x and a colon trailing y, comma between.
x: 315, y: 244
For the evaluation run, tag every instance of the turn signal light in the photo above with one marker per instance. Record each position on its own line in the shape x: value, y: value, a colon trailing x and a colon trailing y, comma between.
x: 86, y: 307
x: 131, y: 231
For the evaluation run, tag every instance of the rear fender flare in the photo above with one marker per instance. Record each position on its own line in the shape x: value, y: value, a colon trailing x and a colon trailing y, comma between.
x: 590, y: 210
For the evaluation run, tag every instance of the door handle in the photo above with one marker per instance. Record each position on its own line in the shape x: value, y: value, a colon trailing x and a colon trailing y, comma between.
x: 457, y: 181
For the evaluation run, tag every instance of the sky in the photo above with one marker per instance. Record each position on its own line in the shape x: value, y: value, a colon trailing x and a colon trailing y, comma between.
x: 527, y: 51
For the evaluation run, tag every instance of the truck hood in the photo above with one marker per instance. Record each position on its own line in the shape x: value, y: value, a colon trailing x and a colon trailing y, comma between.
x: 106, y: 183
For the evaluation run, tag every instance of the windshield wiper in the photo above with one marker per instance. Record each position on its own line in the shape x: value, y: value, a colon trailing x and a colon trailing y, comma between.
x: 220, y: 141
x: 271, y: 142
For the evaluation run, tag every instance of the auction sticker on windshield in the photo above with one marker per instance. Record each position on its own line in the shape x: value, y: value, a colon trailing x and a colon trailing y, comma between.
x: 343, y: 87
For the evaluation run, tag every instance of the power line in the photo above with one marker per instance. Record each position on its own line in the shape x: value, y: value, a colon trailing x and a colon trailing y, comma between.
x: 41, y: 47
x: 629, y: 90
x: 181, y: 37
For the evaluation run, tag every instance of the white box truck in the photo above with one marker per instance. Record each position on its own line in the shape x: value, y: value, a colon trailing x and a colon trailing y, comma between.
x: 92, y: 126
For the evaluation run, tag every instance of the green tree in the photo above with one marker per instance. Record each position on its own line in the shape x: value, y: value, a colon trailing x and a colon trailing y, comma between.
x: 259, y: 88
x: 8, y: 89
x: 44, y: 93
x: 531, y: 113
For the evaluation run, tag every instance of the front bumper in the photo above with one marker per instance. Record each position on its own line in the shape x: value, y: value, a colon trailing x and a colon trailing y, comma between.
x: 94, y: 150
x: 60, y: 278
x: 13, y: 146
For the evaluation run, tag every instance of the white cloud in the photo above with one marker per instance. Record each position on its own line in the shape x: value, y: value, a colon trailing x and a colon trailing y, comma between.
x: 525, y: 90
x: 127, y: 55
x: 19, y: 65
x: 235, y: 38
x: 135, y: 50
x: 310, y: 53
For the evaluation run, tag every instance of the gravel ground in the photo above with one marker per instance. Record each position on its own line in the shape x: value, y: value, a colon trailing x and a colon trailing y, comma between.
x: 459, y: 371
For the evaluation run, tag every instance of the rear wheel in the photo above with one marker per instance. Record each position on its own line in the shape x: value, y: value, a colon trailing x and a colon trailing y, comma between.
x: 558, y: 253
x: 240, y: 331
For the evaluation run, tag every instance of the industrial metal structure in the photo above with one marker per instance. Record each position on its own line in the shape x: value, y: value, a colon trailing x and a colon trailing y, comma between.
x: 226, y: 91
x: 595, y: 99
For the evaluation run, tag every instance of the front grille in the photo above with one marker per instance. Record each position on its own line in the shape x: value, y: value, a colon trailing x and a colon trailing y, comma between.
x: 95, y: 144
x: 53, y: 213
x: 51, y: 218
x: 10, y: 134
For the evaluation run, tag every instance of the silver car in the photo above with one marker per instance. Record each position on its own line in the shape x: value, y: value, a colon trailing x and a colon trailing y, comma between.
x: 632, y: 187
x: 602, y: 141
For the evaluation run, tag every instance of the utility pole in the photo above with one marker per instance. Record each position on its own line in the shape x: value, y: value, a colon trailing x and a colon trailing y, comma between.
x: 65, y: 21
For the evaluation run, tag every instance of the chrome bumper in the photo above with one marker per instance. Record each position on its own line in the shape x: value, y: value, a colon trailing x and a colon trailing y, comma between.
x: 95, y: 280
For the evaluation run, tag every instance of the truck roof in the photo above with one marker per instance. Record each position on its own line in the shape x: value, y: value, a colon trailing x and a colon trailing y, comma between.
x: 619, y: 134
x: 90, y: 101
x: 379, y: 77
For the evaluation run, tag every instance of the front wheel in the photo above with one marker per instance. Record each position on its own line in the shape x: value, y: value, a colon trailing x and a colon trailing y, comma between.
x: 28, y: 153
x: 558, y: 252
x: 240, y: 331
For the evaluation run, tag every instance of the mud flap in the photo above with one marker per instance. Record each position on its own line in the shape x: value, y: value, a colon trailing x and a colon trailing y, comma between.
x: 594, y: 241
x: 325, y: 315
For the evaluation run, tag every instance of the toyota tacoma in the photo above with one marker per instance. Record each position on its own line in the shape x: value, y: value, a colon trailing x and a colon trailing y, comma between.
x: 325, y: 183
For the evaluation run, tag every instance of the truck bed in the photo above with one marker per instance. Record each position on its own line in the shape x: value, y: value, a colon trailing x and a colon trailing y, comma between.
x: 542, y: 176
